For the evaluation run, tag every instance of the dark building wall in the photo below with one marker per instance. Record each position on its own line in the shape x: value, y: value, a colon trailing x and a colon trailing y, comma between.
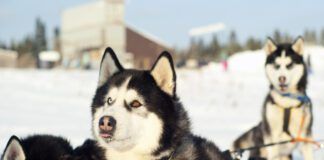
x: 144, y: 50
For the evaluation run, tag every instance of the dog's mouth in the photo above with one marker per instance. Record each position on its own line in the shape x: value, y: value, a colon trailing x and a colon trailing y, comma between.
x: 107, y: 136
x: 283, y: 87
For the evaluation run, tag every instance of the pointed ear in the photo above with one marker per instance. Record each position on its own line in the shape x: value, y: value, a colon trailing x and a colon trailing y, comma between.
x: 298, y: 46
x: 108, y: 66
x: 270, y: 46
x: 14, y: 150
x: 164, y: 74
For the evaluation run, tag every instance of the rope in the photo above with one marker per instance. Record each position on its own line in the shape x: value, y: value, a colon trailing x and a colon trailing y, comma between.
x: 238, y: 153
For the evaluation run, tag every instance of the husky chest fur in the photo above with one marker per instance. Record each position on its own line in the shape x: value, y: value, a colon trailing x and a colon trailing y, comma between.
x: 136, y: 114
x: 287, y: 111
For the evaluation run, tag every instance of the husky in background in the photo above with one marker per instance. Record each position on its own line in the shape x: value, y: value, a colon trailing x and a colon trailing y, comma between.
x: 285, y: 106
x: 137, y: 115
x: 46, y: 147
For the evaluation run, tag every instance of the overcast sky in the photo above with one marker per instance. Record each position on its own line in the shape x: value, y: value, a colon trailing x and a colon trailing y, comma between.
x: 170, y: 20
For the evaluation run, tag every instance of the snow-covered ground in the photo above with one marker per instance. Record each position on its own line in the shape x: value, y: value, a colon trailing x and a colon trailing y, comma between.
x: 221, y: 105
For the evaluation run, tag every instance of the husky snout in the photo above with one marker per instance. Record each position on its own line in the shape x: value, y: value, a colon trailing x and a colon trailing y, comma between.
x: 107, y: 126
x: 282, y: 79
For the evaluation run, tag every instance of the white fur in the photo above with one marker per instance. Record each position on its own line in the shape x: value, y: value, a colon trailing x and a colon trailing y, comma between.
x: 163, y: 75
x: 14, y: 150
x: 269, y: 47
x: 145, y: 144
x: 137, y: 132
x: 285, y: 102
x: 298, y: 46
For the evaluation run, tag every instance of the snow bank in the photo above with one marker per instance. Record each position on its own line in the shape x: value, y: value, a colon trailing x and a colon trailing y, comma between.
x: 317, y: 58
x: 247, y: 62
x: 253, y: 61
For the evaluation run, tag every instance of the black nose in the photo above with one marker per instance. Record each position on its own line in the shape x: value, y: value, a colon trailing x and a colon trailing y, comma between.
x: 282, y: 79
x: 107, y: 123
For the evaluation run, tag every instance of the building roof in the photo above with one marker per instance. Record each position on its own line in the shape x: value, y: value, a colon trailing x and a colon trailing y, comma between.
x: 148, y: 36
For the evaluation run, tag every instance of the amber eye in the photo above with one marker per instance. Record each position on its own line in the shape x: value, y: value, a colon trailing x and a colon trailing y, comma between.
x: 135, y: 104
x: 109, y: 101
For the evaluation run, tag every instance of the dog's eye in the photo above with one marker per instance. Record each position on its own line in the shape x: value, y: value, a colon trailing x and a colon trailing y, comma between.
x: 290, y: 66
x: 276, y: 66
x: 135, y: 104
x: 109, y: 101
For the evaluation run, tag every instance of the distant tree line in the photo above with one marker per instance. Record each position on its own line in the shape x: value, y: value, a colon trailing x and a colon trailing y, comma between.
x: 32, y: 43
x: 213, y: 50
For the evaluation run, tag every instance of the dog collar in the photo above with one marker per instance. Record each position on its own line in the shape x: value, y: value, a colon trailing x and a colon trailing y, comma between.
x: 301, y: 97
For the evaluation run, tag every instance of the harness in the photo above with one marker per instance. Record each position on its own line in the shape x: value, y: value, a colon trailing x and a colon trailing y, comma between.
x: 305, y: 102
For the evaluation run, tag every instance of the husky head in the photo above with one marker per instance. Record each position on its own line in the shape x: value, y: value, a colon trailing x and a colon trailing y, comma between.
x: 14, y: 150
x: 285, y: 67
x: 136, y: 109
x: 37, y: 147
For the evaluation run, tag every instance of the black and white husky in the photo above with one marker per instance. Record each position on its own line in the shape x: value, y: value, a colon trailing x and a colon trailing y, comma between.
x: 47, y: 147
x: 285, y: 106
x: 136, y: 114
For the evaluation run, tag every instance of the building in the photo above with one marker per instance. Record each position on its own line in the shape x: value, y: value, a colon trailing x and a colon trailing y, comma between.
x: 88, y: 29
x: 8, y: 58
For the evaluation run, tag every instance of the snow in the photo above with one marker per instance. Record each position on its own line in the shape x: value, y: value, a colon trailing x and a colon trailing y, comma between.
x: 317, y: 57
x: 222, y: 105
x: 248, y: 62
x: 51, y: 56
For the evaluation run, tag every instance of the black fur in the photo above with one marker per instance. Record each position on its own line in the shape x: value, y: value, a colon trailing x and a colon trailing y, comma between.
x: 264, y: 121
x: 256, y: 137
x: 48, y: 147
x: 88, y: 151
